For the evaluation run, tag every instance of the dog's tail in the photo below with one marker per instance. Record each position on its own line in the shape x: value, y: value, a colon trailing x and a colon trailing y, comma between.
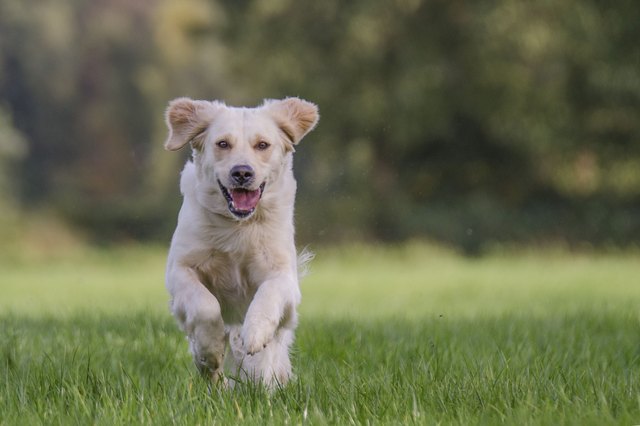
x: 304, y: 259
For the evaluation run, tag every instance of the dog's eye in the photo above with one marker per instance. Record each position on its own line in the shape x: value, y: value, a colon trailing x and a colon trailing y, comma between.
x: 223, y: 144
x: 262, y: 145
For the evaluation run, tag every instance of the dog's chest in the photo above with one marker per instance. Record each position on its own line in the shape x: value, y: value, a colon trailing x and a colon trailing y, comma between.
x: 228, y: 279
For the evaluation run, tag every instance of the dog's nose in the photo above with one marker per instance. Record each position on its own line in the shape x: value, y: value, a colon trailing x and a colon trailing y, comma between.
x: 242, y: 174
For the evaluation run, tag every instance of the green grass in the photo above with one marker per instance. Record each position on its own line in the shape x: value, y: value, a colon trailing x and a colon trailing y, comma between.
x: 410, y: 335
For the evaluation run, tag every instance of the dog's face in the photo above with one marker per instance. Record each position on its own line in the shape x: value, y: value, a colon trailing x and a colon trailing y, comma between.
x: 239, y: 151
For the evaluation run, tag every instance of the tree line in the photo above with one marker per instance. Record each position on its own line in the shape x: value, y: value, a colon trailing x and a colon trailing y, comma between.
x: 463, y: 122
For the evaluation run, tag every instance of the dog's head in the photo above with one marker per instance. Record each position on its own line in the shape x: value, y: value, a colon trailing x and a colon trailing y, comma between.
x: 239, y: 151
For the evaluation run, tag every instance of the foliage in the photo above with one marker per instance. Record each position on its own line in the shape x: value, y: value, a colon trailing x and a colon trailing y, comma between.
x: 467, y: 123
x: 12, y: 151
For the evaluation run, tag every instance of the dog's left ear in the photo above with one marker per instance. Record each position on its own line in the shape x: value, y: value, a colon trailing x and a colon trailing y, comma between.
x: 295, y: 117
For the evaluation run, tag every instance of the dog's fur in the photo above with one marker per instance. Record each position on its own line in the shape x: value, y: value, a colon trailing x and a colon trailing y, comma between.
x: 232, y: 270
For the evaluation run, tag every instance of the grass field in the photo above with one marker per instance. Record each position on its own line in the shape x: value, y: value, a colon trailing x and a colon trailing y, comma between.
x: 411, y: 335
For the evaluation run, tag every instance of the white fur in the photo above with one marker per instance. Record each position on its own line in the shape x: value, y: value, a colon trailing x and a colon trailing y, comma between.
x: 234, y: 281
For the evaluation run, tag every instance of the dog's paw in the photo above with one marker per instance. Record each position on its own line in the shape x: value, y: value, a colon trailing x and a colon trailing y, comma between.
x: 208, y: 356
x: 255, y: 339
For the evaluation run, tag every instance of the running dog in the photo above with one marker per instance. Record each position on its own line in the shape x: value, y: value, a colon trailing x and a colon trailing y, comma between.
x: 232, y: 269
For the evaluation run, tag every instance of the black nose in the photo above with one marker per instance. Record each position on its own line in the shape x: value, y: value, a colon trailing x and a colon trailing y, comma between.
x: 242, y: 174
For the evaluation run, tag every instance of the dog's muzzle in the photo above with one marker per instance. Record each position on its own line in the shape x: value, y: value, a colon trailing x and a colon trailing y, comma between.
x: 242, y: 201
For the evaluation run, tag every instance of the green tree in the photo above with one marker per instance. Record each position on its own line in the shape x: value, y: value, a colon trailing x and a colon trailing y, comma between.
x: 464, y: 122
x: 12, y: 153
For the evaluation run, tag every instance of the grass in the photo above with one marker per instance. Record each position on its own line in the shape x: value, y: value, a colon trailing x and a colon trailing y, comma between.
x: 410, y: 335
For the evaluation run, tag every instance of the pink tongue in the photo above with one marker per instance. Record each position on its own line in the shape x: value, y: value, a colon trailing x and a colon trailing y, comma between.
x: 245, y: 200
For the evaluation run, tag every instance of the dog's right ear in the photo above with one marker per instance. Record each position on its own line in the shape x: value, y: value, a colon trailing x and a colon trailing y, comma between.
x: 187, y: 120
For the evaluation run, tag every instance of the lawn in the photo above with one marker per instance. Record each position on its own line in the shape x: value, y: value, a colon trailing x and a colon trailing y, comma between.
x: 413, y: 335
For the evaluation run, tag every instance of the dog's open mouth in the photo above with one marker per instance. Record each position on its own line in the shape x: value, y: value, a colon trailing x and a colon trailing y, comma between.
x: 242, y: 202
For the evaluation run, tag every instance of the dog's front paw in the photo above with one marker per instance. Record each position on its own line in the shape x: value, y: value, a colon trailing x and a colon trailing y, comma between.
x: 255, y: 339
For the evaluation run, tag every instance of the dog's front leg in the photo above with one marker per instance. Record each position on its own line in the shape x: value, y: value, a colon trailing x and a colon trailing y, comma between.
x: 273, y: 305
x: 198, y: 314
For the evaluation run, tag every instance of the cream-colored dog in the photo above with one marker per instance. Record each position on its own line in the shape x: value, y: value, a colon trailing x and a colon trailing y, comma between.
x: 232, y: 270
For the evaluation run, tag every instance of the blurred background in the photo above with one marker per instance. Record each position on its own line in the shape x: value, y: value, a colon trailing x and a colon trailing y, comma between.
x: 471, y: 124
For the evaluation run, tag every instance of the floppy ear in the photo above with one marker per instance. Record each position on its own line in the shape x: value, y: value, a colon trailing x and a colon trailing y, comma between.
x: 295, y: 117
x: 187, y: 119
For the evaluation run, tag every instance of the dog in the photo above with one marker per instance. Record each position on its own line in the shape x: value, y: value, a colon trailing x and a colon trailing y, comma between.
x: 232, y: 269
